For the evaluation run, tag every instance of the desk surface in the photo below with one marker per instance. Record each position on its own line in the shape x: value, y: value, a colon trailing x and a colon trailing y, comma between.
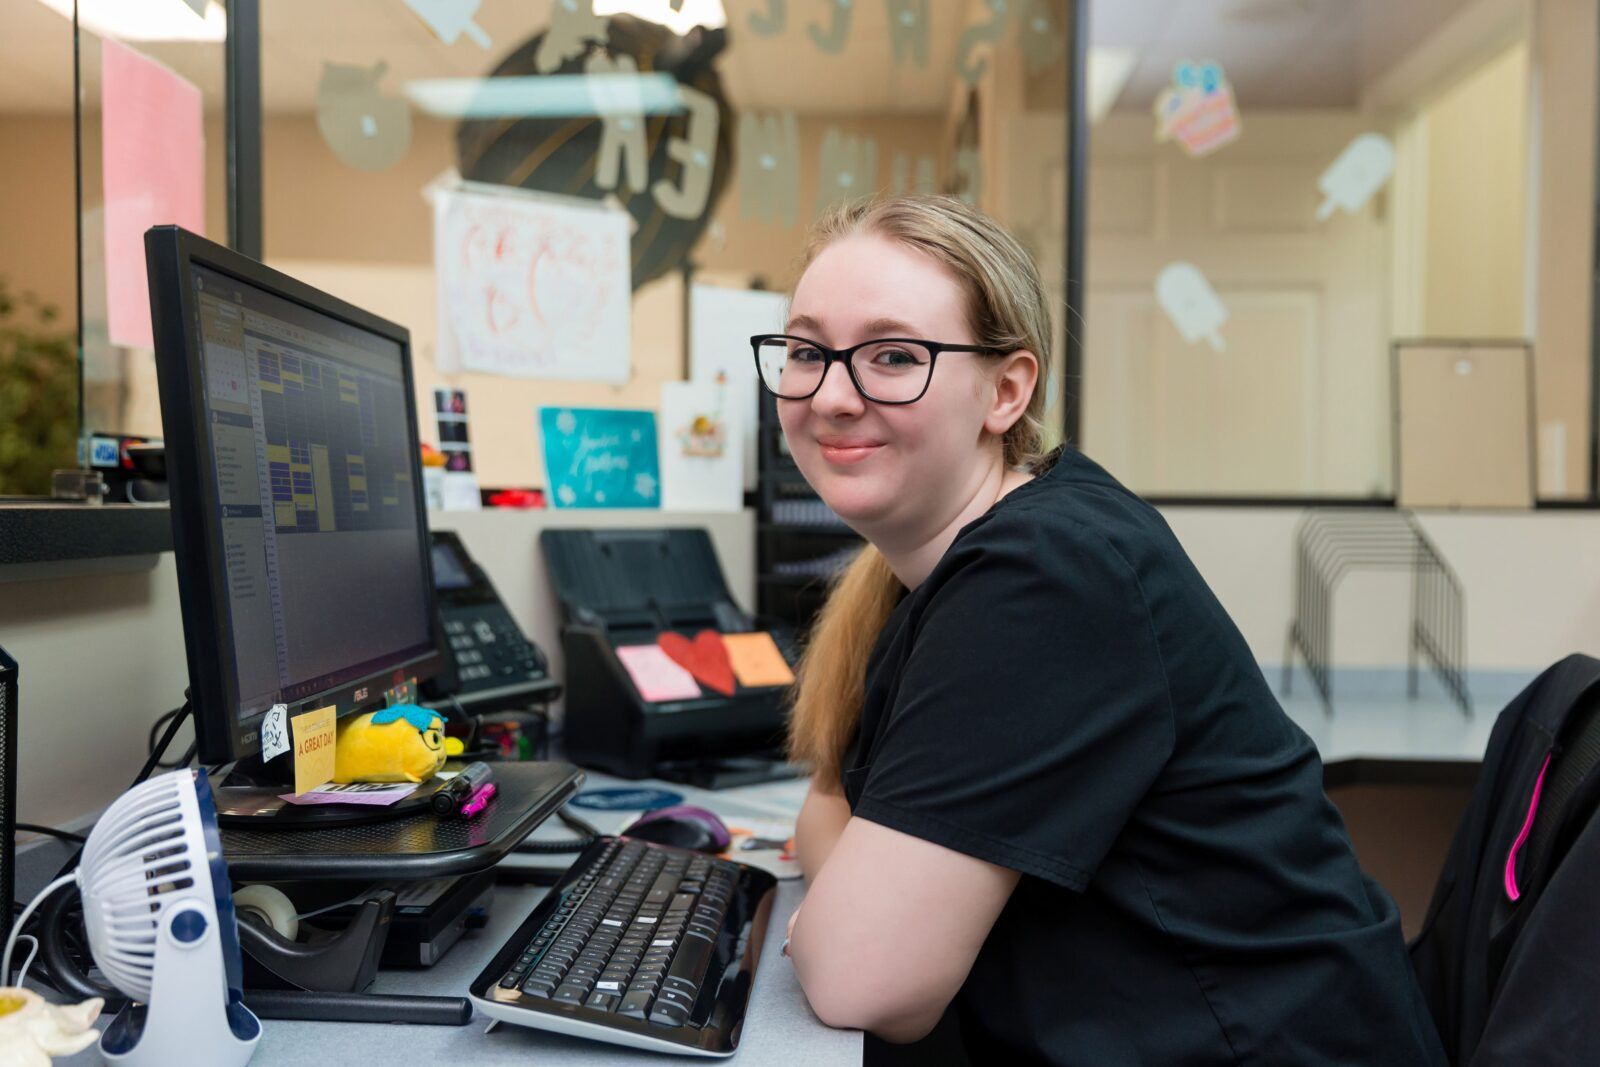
x: 779, y: 1025
x: 1396, y: 741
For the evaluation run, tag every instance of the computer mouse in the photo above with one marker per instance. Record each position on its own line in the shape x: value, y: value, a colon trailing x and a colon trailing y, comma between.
x: 684, y: 826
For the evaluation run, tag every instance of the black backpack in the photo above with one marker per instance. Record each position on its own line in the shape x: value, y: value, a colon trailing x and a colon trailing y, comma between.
x: 1509, y: 955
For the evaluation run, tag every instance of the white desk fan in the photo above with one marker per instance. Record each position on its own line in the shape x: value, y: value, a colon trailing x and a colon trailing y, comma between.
x: 159, y: 914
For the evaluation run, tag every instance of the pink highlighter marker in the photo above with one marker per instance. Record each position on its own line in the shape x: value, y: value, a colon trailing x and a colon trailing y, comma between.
x: 479, y: 800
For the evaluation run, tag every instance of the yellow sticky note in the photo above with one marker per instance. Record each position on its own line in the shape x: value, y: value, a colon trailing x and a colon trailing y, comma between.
x: 314, y: 737
x: 756, y: 660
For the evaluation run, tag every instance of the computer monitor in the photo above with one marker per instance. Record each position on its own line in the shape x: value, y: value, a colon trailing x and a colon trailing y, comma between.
x: 297, y: 508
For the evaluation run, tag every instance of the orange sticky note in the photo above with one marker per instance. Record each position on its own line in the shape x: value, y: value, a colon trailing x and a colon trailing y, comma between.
x: 756, y: 660
x: 314, y: 737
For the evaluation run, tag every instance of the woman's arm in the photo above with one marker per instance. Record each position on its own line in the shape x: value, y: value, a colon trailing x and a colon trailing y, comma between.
x: 890, y: 928
x: 821, y: 821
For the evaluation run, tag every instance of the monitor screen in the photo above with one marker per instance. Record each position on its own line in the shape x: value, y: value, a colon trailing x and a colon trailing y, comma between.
x: 306, y: 418
x: 448, y: 570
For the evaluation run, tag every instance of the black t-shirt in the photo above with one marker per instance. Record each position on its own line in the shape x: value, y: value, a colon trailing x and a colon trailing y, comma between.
x: 1065, y: 697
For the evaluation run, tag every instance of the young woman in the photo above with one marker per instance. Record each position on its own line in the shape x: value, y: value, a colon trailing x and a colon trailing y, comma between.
x: 1052, y: 787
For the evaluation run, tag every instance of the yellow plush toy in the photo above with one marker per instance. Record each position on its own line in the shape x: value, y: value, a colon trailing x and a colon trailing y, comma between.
x: 403, y: 743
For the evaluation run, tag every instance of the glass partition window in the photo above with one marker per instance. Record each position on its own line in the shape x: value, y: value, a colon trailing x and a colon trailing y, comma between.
x: 152, y: 151
x: 1280, y: 191
x: 111, y: 116
x: 397, y: 136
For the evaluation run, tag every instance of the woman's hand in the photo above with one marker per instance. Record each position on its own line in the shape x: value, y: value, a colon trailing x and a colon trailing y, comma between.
x: 789, y: 932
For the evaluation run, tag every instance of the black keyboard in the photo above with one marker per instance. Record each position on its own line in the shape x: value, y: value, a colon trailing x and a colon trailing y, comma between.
x: 639, y: 944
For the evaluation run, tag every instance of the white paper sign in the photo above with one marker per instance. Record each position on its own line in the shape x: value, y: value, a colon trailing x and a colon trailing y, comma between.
x: 532, y: 287
x: 458, y: 491
x: 275, y: 732
x: 701, y: 447
x: 721, y: 322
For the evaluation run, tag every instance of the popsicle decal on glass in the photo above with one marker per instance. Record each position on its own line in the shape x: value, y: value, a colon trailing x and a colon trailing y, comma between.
x: 1191, y: 304
x: 1361, y: 170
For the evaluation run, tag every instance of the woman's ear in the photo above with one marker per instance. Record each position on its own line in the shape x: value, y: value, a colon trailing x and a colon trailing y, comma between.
x: 1014, y: 382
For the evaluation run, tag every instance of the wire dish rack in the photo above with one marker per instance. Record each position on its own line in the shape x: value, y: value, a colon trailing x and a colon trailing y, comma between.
x: 1331, y: 543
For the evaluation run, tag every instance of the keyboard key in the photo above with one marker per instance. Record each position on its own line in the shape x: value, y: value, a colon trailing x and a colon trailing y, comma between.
x: 668, y: 1013
x: 661, y: 890
x: 692, y: 961
x: 635, y: 1005
x: 681, y: 985
x: 570, y: 993
x: 601, y: 1001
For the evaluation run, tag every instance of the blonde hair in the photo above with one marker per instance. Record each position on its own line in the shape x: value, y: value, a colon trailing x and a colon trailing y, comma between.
x: 1007, y: 308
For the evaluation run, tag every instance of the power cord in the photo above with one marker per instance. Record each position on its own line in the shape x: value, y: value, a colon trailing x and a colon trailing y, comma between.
x: 51, y: 831
x: 587, y: 835
x: 172, y: 720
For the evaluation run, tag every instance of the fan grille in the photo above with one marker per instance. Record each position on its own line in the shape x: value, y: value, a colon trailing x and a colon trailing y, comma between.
x: 140, y: 854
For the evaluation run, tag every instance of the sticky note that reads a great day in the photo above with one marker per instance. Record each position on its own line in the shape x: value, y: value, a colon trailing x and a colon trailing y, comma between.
x: 756, y: 660
x: 314, y: 737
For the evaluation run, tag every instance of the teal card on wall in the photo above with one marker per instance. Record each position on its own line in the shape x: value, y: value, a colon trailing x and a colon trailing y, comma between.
x: 601, y: 457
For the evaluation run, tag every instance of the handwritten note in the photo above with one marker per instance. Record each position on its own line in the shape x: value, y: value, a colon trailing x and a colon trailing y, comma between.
x: 532, y: 286
x: 314, y: 738
x: 275, y: 732
x: 756, y: 660
x: 654, y: 674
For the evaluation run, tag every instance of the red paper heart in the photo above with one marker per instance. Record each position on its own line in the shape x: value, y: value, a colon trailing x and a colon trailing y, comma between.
x: 706, y: 657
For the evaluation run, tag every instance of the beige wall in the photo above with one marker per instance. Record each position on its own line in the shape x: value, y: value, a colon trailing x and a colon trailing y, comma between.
x: 1477, y: 209
x: 38, y: 210
x: 1565, y: 96
x: 769, y: 249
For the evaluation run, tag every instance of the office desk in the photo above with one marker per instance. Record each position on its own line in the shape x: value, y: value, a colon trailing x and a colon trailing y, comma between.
x: 1396, y: 742
x: 779, y: 1025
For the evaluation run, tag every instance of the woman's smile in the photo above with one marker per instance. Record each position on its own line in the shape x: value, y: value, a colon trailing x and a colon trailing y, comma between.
x: 843, y: 451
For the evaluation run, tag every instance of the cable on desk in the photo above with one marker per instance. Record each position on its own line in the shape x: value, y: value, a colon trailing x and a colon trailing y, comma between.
x: 587, y: 835
x: 51, y: 831
x: 62, y: 944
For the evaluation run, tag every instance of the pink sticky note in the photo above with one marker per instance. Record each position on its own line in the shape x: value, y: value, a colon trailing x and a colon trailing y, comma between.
x: 655, y: 675
x: 153, y: 139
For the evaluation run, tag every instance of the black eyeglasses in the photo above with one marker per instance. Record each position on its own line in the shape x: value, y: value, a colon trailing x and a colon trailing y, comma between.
x: 896, y: 370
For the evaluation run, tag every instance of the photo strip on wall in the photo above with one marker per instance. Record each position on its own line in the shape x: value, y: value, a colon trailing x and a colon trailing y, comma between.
x: 459, y: 488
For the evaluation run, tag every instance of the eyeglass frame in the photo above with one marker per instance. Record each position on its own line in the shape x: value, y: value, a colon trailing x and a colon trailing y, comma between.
x: 830, y: 356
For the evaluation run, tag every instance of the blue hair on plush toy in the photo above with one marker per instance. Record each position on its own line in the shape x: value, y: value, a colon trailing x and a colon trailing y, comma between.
x: 402, y: 743
x: 421, y: 718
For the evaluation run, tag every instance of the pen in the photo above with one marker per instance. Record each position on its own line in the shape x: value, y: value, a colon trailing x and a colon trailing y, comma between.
x: 458, y: 790
x: 479, y: 801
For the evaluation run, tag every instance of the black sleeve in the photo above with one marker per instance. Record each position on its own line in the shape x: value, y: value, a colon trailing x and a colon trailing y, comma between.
x: 1033, y: 712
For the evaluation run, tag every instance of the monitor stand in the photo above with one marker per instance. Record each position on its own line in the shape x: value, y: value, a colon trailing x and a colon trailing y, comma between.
x: 250, y: 797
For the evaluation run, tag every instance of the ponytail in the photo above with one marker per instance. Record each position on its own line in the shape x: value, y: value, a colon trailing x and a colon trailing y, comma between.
x: 827, y: 702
